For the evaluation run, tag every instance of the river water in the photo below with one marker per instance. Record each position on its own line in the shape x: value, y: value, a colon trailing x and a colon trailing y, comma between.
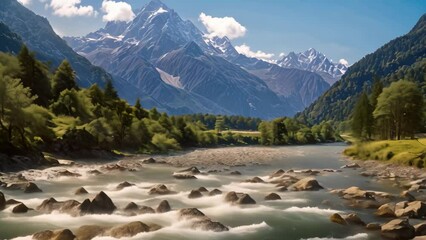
x: 299, y: 215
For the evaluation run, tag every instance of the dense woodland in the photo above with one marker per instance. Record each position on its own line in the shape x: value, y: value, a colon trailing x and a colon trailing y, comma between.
x: 46, y: 110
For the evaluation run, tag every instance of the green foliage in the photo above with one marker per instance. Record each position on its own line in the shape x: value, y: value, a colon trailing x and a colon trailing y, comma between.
x: 362, y: 119
x: 63, y: 79
x: 219, y: 125
x: 73, y: 103
x: 400, y: 110
x: 164, y: 143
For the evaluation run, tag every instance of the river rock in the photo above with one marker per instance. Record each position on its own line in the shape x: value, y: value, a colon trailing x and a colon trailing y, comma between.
x: 66, y: 173
x: 131, y: 207
x: 128, y: 230
x: 163, y: 207
x: 64, y: 234
x: 351, y: 165
x: 235, y: 173
x: 31, y: 188
x: 94, y: 172
x: 373, y: 226
x: 231, y: 197
x: 89, y: 232
x: 190, y: 213
x: 386, y: 210
x: 398, y: 229
x: 20, y: 208
x: 81, y: 191
x: 246, y: 199
x: 2, y: 201
x: 209, y: 225
x: 70, y: 207
x: 195, y: 194
x: 114, y: 167
x: 276, y: 174
x: 146, y: 210
x: 354, y: 219
x: 203, y: 189
x: 124, y: 185
x: 416, y: 209
x: 160, y: 189
x: 101, y: 204
x: 337, y: 218
x: 215, y: 192
x: 420, y: 229
x: 408, y: 196
x: 190, y: 171
x: 149, y: 161
x: 272, y: 196
x: 183, y: 176
x: 306, y: 184
x: 255, y: 180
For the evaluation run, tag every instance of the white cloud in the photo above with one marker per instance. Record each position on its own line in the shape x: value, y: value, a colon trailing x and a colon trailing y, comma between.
x: 117, y: 11
x: 71, y: 8
x: 245, y: 50
x: 221, y: 27
x: 25, y: 2
x: 344, y: 62
x: 282, y: 55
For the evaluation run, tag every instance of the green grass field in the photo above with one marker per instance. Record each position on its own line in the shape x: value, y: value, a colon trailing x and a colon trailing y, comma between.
x: 408, y: 152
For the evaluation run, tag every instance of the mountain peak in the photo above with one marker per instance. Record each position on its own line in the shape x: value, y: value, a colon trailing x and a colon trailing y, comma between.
x: 155, y: 5
x: 421, y: 24
x: 193, y: 49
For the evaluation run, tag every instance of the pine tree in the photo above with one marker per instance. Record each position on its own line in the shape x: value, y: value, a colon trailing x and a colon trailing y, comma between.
x: 64, y: 79
x: 139, y: 111
x: 362, y: 120
x: 219, y: 124
x: 110, y: 92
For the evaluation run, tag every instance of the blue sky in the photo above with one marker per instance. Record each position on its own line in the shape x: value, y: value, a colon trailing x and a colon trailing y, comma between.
x: 346, y: 29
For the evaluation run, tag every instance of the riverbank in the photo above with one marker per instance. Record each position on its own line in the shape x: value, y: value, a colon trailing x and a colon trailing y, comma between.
x: 404, y: 152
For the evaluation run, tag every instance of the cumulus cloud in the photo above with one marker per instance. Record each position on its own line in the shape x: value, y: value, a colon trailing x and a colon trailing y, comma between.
x: 117, y: 11
x: 25, y: 2
x: 221, y: 27
x: 344, y: 62
x: 71, y: 8
x: 245, y: 50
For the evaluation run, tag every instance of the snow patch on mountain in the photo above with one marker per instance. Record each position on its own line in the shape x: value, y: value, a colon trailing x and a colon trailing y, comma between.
x: 169, y: 79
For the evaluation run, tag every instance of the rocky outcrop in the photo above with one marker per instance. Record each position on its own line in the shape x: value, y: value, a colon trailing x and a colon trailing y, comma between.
x: 416, y: 209
x: 89, y: 232
x: 66, y: 173
x: 128, y: 230
x: 240, y: 199
x: 245, y: 199
x: 101, y: 204
x: 203, y: 189
x: 124, y: 185
x: 64, y: 234
x: 337, y: 218
x: 276, y: 174
x: 231, y: 197
x: 20, y: 208
x: 31, y: 188
x: 255, y: 180
x: 201, y: 221
x: 386, y: 210
x: 146, y: 210
x: 398, y: 229
x: 81, y: 191
x: 163, y: 207
x: 149, y: 161
x: 195, y: 194
x: 160, y: 189
x: 131, y: 207
x: 184, y: 176
x: 306, y: 184
x: 215, y: 192
x: 237, y: 173
x: 272, y: 196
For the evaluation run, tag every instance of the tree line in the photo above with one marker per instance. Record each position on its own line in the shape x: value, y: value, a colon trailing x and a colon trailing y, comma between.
x: 393, y: 112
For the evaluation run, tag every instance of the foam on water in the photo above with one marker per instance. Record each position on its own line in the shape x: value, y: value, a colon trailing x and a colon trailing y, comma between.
x: 314, y: 210
x: 359, y: 236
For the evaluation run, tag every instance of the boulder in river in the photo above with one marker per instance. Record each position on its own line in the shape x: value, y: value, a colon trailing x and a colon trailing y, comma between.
x: 160, y: 189
x: 66, y: 173
x: 272, y: 196
x: 101, y: 204
x: 215, y: 192
x: 209, y: 225
x: 20, y: 208
x: 31, y: 188
x: 237, y: 173
x: 190, y: 171
x: 420, y: 229
x: 70, y: 207
x: 246, y: 199
x: 231, y: 197
x: 146, y: 210
x: 276, y: 174
x: 124, y: 185
x: 81, y: 191
x: 89, y: 232
x: 386, y: 210
x: 149, y: 161
x: 351, y: 165
x: 398, y: 229
x: 183, y: 176
x: 128, y: 230
x: 203, y: 189
x: 373, y: 226
x: 255, y: 180
x: 163, y: 207
x: 337, y: 218
x: 189, y: 213
x: 64, y: 234
x: 416, y: 209
x: 195, y: 194
x: 2, y: 201
x: 306, y: 184
x: 354, y: 219
x: 131, y: 207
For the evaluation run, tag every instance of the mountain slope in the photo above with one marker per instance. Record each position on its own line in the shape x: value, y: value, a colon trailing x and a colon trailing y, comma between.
x: 39, y: 36
x: 222, y: 82
x: 9, y: 41
x: 403, y: 57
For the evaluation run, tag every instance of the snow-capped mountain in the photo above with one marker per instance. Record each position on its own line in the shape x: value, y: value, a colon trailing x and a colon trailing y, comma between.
x: 314, y: 61
x: 204, y: 75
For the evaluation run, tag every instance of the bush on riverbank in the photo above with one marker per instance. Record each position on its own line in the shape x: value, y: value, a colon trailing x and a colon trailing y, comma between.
x: 408, y: 152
